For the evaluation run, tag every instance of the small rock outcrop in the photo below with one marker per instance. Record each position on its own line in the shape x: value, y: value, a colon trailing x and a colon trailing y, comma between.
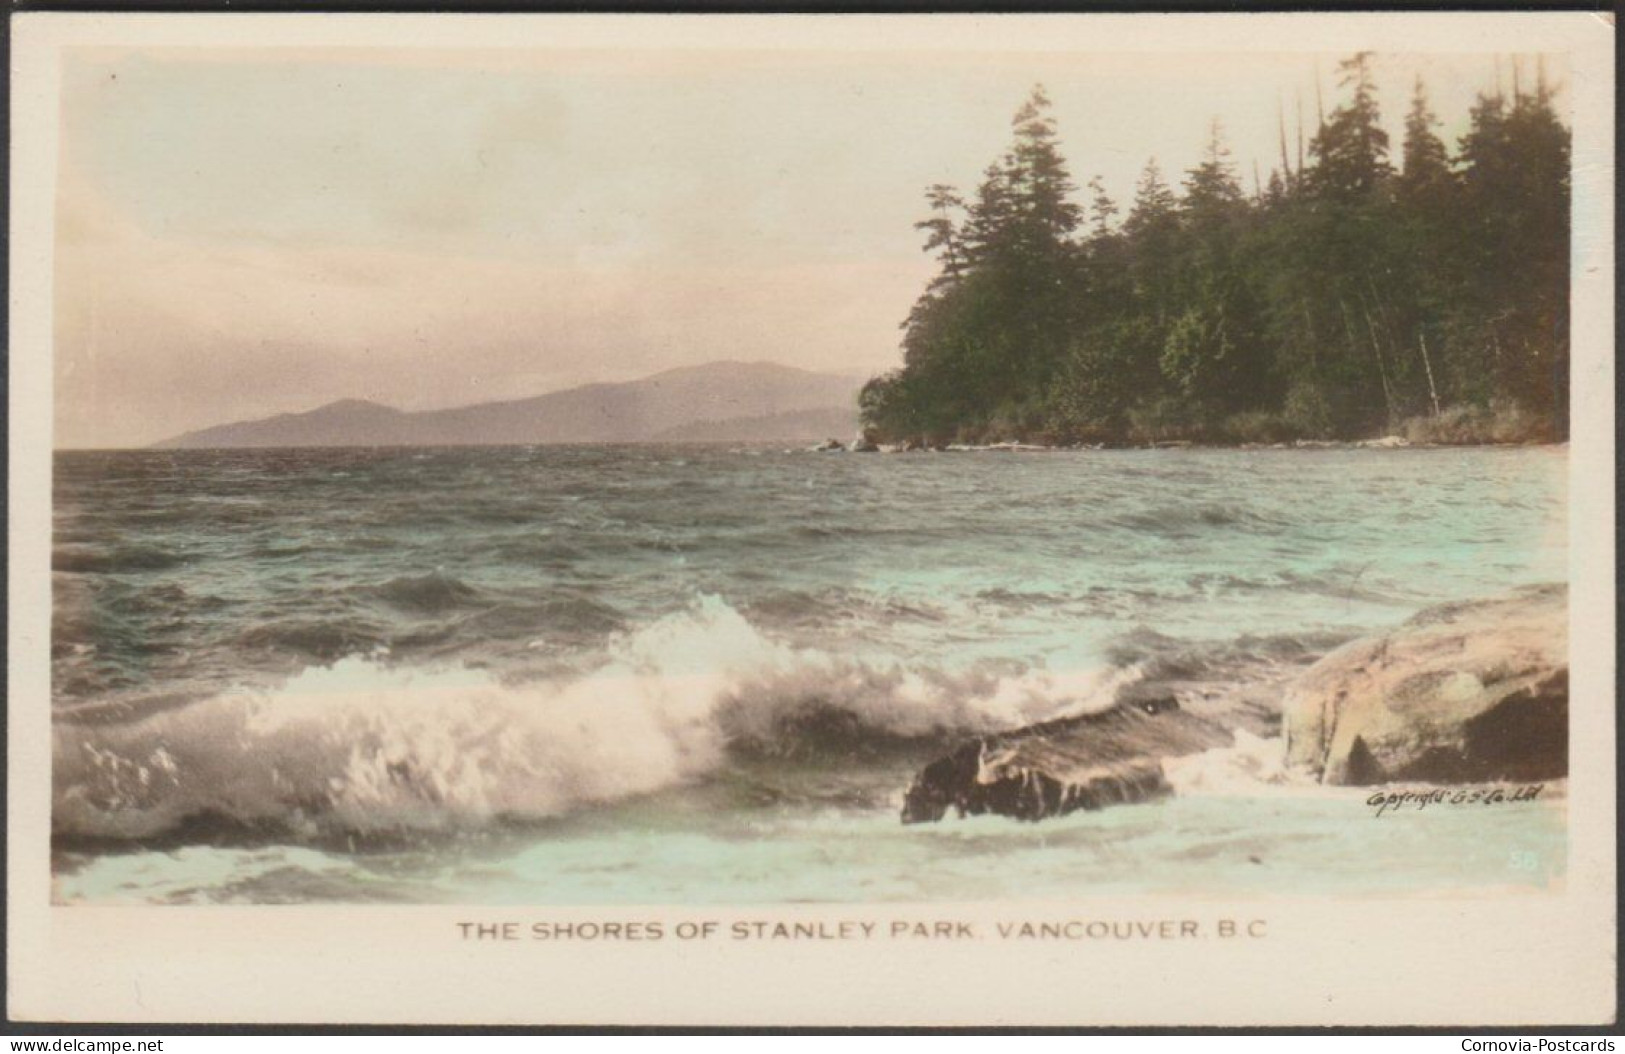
x: 1467, y: 692
x: 1086, y: 762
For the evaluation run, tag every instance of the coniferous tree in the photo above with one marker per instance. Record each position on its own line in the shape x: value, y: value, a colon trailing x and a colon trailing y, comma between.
x: 1213, y: 354
x: 942, y: 232
x: 1102, y: 208
x: 1511, y: 317
x: 1350, y: 151
x: 1153, y: 230
x: 1426, y: 164
x: 1428, y: 216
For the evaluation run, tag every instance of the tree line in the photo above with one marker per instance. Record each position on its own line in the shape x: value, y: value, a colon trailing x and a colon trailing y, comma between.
x: 1354, y: 293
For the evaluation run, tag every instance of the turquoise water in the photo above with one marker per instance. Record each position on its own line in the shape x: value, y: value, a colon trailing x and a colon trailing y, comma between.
x: 1258, y: 844
x: 705, y: 675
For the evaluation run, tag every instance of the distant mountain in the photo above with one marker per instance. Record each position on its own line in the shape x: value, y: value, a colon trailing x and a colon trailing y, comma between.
x: 738, y: 401
x: 348, y: 422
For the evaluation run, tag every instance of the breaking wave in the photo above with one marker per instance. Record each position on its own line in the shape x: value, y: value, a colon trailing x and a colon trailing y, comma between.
x: 362, y: 748
x: 1245, y: 768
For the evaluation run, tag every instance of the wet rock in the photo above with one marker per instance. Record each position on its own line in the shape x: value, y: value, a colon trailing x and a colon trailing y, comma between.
x: 1050, y: 769
x: 1466, y: 692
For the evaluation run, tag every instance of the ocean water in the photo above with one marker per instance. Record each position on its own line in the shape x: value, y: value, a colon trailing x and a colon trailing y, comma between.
x: 576, y: 675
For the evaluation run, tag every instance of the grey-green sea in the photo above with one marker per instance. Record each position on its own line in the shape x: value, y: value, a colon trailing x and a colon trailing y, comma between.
x: 706, y: 674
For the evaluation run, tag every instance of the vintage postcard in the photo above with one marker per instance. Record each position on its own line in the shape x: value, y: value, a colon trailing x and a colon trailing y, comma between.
x: 857, y: 520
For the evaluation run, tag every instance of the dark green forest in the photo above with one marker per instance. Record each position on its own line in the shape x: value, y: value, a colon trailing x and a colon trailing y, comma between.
x: 1359, y: 290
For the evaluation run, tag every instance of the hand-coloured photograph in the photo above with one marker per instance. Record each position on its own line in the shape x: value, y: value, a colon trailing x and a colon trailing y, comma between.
x: 542, y: 475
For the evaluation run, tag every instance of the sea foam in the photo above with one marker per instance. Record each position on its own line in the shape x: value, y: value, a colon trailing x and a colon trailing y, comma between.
x: 363, y: 747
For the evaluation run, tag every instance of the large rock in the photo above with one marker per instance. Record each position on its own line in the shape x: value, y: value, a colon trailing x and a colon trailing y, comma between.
x: 1467, y: 692
x: 1085, y: 762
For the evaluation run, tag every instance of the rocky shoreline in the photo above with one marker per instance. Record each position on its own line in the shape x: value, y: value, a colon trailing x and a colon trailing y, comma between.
x: 1461, y: 693
x: 862, y: 445
x: 1475, y: 691
x: 1113, y: 757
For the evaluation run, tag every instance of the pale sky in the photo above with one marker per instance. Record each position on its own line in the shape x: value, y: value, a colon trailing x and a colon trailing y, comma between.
x: 242, y: 233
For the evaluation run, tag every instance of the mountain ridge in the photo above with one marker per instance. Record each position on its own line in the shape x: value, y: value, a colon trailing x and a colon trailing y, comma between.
x: 684, y: 404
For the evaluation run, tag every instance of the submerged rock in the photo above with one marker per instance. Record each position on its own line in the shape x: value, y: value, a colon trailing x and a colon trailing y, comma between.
x: 830, y: 446
x: 1085, y: 762
x: 1466, y: 692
